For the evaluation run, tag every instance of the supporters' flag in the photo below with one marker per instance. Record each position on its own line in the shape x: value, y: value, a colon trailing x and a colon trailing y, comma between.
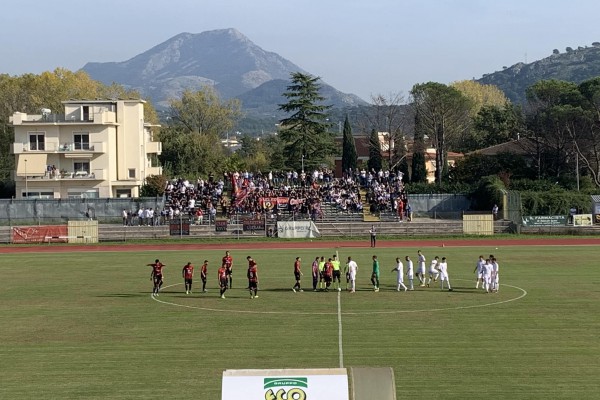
x: 234, y: 186
x: 240, y: 196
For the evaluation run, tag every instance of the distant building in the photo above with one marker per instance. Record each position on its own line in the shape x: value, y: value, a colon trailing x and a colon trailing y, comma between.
x: 362, y: 150
x: 97, y: 148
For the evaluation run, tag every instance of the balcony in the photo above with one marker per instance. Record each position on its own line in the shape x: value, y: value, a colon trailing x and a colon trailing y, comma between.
x: 97, y: 175
x: 101, y: 117
x: 153, y: 147
x: 75, y: 148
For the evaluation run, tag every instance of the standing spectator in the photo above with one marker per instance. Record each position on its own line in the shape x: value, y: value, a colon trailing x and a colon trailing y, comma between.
x: 199, y: 216
x: 495, y: 211
x: 124, y: 215
x: 373, y: 233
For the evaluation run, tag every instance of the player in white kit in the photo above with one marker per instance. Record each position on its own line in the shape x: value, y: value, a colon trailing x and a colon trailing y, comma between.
x: 433, y: 271
x: 410, y: 273
x: 487, y: 275
x: 443, y: 268
x: 495, y: 275
x: 421, y: 267
x: 352, y: 269
x: 479, y: 271
x: 400, y: 270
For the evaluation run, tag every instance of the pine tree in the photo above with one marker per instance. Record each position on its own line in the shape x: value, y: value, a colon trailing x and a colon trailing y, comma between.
x: 349, y: 156
x: 375, y: 158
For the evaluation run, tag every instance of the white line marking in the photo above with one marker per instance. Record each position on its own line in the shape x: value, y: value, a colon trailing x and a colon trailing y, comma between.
x: 339, y: 312
x: 523, y: 294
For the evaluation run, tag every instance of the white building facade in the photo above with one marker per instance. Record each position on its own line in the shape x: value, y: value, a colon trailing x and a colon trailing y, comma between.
x: 96, y: 149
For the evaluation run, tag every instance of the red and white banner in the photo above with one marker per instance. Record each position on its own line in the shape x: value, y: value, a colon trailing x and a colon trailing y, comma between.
x: 39, y: 234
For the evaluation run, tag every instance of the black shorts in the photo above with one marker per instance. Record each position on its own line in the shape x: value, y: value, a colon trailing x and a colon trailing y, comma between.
x: 297, y: 275
x: 252, y: 284
x: 327, y: 278
x: 188, y: 281
x: 228, y: 271
x: 336, y: 274
x: 223, y: 283
x: 158, y: 278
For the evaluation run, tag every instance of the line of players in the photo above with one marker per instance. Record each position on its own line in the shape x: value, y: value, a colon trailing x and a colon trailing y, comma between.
x: 326, y: 274
x: 224, y: 276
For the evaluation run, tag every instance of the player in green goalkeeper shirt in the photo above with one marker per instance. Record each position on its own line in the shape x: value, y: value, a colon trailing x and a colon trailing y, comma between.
x: 375, y: 274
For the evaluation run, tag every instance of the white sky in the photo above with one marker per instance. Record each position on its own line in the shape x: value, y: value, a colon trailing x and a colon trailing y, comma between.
x: 363, y: 47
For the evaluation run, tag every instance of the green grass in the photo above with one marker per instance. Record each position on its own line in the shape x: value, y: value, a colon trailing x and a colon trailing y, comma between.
x: 83, y: 325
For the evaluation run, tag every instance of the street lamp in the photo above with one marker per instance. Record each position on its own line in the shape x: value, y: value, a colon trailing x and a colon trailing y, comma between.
x: 302, y: 162
x: 26, y: 189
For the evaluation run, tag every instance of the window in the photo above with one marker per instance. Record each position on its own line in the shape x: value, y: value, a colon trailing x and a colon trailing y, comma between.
x: 82, y: 193
x: 37, y: 141
x: 123, y: 193
x: 81, y: 141
x: 37, y: 195
x: 131, y: 173
x: 81, y: 166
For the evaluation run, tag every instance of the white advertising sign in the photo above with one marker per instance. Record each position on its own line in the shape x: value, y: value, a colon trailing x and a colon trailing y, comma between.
x: 285, y: 384
x: 297, y: 229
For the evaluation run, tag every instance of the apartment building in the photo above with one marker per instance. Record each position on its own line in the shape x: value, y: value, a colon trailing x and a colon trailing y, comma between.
x: 96, y: 149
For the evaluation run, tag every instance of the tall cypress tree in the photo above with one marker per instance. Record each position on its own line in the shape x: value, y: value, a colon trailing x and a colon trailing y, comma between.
x: 375, y: 158
x: 419, y: 171
x: 349, y: 157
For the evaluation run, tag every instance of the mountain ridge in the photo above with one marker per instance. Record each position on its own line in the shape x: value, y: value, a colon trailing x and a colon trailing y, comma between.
x: 224, y: 59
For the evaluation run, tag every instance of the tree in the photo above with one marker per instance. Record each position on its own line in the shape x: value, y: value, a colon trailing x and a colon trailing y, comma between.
x: 480, y: 95
x: 192, y: 141
x: 349, y: 157
x: 204, y: 112
x: 305, y: 136
x: 419, y: 170
x: 494, y: 125
x: 375, y: 158
x: 444, y: 117
x: 387, y: 114
x: 154, y: 186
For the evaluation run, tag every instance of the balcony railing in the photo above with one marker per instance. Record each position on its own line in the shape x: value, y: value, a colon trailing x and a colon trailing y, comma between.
x: 68, y: 175
x: 53, y: 147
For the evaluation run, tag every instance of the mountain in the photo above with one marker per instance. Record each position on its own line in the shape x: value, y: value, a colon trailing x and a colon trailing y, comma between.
x: 575, y: 65
x: 224, y: 59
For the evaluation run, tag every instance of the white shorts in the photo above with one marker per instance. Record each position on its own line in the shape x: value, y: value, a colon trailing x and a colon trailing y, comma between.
x: 410, y: 276
x: 443, y: 277
x: 352, y: 277
x: 421, y: 270
x: 433, y: 272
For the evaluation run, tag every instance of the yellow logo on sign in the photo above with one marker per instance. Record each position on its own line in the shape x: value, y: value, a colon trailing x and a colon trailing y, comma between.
x: 292, y: 394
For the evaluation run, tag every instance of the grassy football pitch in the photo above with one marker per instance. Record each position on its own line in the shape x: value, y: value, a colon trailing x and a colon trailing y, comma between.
x: 84, y: 326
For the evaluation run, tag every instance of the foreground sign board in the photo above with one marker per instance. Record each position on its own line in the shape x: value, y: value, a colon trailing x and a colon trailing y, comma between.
x: 545, y: 220
x: 285, y: 384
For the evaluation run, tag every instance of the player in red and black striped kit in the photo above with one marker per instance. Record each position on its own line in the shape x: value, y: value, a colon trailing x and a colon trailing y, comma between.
x: 252, y: 277
x: 228, y: 263
x: 203, y: 274
x: 222, y: 277
x: 188, y: 274
x: 156, y: 276
x: 297, y: 275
